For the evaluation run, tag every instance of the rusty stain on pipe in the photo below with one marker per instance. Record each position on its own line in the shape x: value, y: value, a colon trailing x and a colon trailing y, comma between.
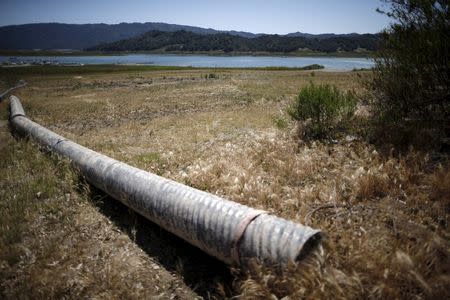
x: 227, y: 230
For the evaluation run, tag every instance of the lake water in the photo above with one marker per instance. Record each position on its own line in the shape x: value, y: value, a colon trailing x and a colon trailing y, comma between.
x: 330, y: 63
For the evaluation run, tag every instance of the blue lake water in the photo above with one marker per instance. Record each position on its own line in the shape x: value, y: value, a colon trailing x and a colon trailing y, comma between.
x: 330, y: 63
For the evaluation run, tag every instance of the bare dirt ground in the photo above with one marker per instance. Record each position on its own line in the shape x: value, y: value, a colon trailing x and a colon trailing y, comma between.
x: 385, y: 216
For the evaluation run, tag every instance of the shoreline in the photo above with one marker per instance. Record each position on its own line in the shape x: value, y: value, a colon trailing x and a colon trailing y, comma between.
x: 88, y: 68
x: 190, y: 53
x: 100, y: 68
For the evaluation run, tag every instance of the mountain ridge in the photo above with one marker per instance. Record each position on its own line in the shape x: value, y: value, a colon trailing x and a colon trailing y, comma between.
x: 49, y: 36
x: 186, y: 41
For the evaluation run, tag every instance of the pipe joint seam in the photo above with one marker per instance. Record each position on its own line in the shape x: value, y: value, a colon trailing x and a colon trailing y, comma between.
x: 16, y: 115
x: 240, y: 230
x: 60, y: 141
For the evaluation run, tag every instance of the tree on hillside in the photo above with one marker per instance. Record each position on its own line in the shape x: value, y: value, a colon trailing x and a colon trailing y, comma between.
x: 411, y: 74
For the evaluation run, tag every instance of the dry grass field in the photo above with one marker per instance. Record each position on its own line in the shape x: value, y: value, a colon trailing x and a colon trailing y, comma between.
x: 385, y: 216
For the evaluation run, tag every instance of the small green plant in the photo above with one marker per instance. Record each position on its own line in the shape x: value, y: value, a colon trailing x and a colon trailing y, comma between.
x: 280, y: 122
x: 322, y: 109
x: 152, y: 157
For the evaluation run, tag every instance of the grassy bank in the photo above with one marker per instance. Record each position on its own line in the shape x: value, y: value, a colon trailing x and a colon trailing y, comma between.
x: 57, y: 240
x: 385, y: 216
x: 17, y: 71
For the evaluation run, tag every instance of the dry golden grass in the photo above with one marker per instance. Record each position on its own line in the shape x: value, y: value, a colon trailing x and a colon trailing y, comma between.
x: 385, y: 217
x: 54, y: 243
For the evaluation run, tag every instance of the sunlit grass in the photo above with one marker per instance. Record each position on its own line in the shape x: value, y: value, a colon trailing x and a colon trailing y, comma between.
x: 386, y: 217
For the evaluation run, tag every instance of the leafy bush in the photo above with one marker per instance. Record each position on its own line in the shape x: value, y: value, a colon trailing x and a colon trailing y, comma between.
x: 322, y: 109
x: 411, y: 75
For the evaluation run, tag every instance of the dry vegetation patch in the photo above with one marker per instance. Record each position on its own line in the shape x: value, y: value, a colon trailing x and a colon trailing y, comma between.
x: 55, y: 242
x: 385, y: 216
x: 387, y: 238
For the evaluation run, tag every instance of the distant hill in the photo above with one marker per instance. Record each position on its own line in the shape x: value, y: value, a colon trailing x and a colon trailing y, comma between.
x: 49, y: 36
x: 321, y: 36
x: 73, y: 36
x: 189, y: 41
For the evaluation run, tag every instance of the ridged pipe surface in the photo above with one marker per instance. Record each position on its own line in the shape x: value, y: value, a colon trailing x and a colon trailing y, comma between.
x: 227, y: 230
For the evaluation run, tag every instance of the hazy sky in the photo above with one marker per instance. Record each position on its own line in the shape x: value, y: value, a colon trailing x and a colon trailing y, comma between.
x: 267, y: 16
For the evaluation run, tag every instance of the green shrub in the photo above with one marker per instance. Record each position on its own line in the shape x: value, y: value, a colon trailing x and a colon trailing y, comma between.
x: 410, y: 83
x: 322, y: 110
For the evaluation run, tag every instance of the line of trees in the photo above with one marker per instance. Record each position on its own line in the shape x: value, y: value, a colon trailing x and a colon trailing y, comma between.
x: 189, y: 41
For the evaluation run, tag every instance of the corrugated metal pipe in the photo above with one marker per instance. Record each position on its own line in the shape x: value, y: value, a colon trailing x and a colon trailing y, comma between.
x: 227, y: 230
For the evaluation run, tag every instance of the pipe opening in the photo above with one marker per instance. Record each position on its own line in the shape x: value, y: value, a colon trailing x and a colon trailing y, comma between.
x: 309, y: 246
